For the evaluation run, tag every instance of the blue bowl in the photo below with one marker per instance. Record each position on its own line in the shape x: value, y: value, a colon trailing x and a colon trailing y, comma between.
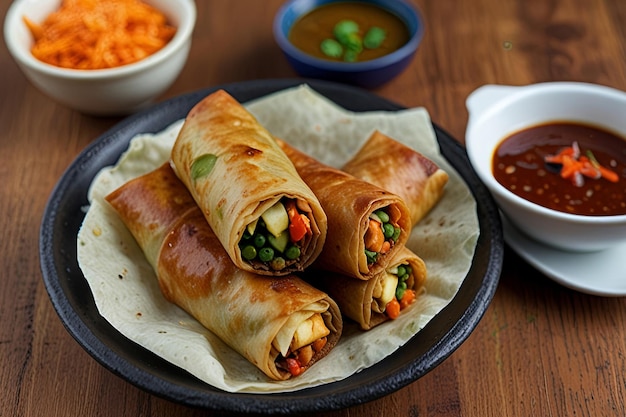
x: 368, y: 74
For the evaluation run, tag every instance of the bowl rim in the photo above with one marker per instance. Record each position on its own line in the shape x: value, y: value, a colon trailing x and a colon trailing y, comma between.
x: 183, y: 33
x: 404, y: 51
x: 520, y: 93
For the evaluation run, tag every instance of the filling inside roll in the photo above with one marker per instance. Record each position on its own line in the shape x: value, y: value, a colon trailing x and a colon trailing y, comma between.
x: 392, y: 294
x: 382, y: 232
x: 278, y: 237
x: 301, y: 338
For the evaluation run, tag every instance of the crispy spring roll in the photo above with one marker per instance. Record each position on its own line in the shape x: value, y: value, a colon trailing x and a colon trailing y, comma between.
x: 366, y: 224
x: 280, y: 324
x: 368, y: 302
x: 268, y: 220
x: 401, y: 170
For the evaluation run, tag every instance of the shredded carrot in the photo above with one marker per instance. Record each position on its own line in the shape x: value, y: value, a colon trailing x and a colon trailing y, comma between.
x: 98, y: 34
x: 575, y: 166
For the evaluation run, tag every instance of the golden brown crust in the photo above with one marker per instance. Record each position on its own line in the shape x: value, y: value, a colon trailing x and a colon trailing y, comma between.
x: 245, y: 310
x: 356, y: 297
x: 348, y: 203
x: 401, y: 170
x: 250, y: 174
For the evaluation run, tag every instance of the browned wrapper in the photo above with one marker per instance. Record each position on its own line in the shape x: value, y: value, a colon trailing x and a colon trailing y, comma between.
x: 263, y: 318
x: 360, y: 300
x: 246, y: 174
x: 348, y: 203
x: 395, y: 167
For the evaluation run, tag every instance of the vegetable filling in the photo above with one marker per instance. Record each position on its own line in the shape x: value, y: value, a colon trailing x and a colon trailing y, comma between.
x: 275, y: 240
x: 381, y: 235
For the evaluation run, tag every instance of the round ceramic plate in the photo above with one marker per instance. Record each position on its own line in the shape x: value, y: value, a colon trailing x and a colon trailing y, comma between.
x: 73, y: 301
x: 599, y: 273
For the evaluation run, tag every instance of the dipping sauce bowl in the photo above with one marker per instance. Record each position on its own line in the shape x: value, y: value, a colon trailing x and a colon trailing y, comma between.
x: 496, y: 112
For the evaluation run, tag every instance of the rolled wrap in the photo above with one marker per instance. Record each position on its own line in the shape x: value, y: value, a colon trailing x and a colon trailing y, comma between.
x: 395, y: 167
x: 361, y: 300
x: 349, y: 203
x: 265, y: 319
x: 236, y: 172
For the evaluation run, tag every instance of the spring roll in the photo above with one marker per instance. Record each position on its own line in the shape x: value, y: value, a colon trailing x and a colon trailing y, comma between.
x: 268, y: 220
x: 281, y: 324
x: 401, y: 170
x: 369, y: 303
x: 366, y: 224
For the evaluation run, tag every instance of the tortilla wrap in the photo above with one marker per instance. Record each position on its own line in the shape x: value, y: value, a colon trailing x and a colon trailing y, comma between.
x: 397, y: 168
x: 236, y: 173
x: 349, y: 202
x: 361, y: 300
x: 265, y: 319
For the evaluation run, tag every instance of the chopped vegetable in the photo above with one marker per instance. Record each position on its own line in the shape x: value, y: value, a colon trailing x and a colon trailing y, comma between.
x: 202, y: 165
x: 299, y: 224
x: 276, y: 219
x: 87, y: 34
x: 576, y: 167
x: 380, y: 235
x: 393, y: 309
x: 374, y: 37
x: 349, y: 41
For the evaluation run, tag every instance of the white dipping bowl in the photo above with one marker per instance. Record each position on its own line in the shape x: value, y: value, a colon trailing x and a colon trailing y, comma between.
x: 115, y: 91
x: 495, y: 112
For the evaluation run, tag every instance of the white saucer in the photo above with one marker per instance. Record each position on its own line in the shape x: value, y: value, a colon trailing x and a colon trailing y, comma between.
x: 599, y: 273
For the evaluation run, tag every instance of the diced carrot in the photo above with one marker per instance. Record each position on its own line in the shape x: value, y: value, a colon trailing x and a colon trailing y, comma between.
x: 407, y: 299
x: 393, y: 309
x: 299, y: 224
x: 386, y: 246
x: 374, y: 236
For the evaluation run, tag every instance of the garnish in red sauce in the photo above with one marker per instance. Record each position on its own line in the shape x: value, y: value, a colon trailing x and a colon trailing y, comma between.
x: 565, y: 166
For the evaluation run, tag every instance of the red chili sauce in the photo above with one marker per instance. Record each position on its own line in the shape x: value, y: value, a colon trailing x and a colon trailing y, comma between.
x: 520, y: 165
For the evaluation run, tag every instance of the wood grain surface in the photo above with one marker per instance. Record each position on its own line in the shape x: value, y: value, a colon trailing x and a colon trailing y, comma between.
x: 540, y: 350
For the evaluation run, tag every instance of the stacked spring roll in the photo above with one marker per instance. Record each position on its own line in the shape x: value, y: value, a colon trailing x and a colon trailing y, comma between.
x: 280, y: 324
x: 367, y: 225
x: 267, y: 218
x: 382, y: 297
x: 401, y: 170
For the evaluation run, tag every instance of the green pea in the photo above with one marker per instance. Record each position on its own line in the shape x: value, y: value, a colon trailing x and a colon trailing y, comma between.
x: 292, y: 252
x: 388, y: 230
x: 331, y: 48
x: 259, y: 240
x: 396, y: 233
x: 278, y: 263
x: 266, y: 254
x: 402, y: 285
x: 202, y: 165
x: 374, y: 37
x: 401, y: 270
x: 384, y: 217
x: 400, y: 293
x: 350, y: 56
x: 371, y: 256
x: 353, y: 42
x: 343, y: 28
x: 403, y: 278
x: 248, y: 252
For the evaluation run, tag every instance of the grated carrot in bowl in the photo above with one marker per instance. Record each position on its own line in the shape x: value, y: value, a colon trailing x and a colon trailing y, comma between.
x: 99, y: 34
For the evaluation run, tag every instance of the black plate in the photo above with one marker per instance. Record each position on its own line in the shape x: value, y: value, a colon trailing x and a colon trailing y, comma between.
x: 73, y: 301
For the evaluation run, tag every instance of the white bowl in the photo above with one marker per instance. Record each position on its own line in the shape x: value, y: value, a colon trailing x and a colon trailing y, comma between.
x: 498, y: 111
x: 113, y: 91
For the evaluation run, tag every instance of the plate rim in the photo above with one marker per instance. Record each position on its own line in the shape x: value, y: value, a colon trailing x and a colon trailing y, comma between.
x: 85, y: 328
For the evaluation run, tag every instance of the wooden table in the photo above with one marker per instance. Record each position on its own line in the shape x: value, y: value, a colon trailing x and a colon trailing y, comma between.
x: 540, y: 350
